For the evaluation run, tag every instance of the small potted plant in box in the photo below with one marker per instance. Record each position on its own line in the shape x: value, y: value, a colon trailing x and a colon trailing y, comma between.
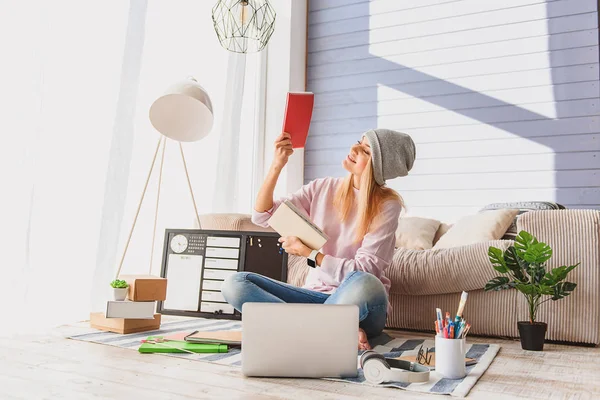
x: 120, y: 288
x: 525, y: 265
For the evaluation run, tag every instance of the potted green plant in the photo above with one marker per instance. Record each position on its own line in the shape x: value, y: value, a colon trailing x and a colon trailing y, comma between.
x: 525, y: 265
x: 120, y: 288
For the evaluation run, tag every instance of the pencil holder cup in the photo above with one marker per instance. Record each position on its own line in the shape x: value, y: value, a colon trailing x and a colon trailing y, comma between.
x: 450, y: 357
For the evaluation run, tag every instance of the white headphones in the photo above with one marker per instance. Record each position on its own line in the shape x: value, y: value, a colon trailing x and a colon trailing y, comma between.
x: 378, y: 369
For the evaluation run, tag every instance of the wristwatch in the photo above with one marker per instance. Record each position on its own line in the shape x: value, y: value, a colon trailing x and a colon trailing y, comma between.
x: 312, y: 259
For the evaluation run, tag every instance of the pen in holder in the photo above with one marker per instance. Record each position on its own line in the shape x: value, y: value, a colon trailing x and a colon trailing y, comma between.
x: 450, y: 357
x: 450, y: 347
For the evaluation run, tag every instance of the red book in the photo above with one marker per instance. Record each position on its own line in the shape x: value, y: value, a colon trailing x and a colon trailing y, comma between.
x: 298, y: 113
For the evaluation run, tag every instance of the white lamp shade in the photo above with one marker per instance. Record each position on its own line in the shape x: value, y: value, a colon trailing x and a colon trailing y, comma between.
x: 184, y: 112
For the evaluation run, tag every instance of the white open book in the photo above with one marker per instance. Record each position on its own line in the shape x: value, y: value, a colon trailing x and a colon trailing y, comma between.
x: 288, y: 220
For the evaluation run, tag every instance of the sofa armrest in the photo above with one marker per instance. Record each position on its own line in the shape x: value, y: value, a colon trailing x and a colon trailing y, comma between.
x: 230, y: 222
x: 564, y: 231
x: 573, y: 235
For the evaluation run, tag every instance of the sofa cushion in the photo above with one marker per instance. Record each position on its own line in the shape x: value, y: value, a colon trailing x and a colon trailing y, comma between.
x: 416, y: 233
x: 523, y: 207
x: 481, y: 227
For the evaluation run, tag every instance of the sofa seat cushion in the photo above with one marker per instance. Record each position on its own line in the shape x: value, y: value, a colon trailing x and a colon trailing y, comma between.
x: 438, y: 271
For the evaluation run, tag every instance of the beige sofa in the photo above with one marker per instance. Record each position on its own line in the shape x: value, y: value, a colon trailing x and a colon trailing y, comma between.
x: 425, y: 279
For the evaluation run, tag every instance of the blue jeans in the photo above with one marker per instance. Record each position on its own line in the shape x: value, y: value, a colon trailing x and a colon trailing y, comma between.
x: 360, y: 288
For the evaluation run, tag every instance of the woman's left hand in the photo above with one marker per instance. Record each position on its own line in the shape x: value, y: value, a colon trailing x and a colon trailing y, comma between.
x: 294, y: 246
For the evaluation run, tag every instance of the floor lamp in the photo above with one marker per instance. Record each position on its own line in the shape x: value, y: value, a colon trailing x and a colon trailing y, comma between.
x: 183, y: 113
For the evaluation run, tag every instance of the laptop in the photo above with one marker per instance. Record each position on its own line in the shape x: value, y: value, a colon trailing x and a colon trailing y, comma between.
x: 299, y: 340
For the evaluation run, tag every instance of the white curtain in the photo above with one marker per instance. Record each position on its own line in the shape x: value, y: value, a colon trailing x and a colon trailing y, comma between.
x: 236, y: 164
x: 225, y: 199
x: 76, y: 84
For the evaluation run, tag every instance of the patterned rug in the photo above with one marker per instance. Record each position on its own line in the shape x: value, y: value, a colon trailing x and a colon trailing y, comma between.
x: 390, y: 347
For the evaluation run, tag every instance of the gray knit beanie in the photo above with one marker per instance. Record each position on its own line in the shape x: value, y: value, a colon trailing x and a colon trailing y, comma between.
x: 392, y: 153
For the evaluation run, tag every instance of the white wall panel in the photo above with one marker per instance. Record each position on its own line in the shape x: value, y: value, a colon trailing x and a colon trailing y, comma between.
x: 502, y: 98
x: 334, y: 10
x: 483, y: 84
x: 560, y: 41
x: 491, y: 34
x: 486, y: 164
x: 410, y: 105
x: 393, y: 73
x: 386, y: 29
x: 503, y: 113
x: 496, y: 147
x: 534, y: 130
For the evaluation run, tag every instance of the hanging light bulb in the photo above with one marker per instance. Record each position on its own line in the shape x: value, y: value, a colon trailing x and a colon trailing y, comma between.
x: 243, y: 12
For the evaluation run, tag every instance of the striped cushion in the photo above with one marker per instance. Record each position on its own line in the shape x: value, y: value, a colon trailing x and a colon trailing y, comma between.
x: 523, y: 207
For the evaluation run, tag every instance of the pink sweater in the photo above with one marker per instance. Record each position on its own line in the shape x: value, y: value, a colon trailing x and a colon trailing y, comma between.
x: 342, y: 253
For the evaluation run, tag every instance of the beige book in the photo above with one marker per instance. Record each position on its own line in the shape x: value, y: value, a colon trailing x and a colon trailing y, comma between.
x: 233, y: 338
x: 288, y: 220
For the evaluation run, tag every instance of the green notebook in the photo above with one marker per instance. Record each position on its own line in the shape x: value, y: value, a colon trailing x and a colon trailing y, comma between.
x: 177, y: 346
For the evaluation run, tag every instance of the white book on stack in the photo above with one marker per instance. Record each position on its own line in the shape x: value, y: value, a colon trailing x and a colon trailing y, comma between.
x: 130, y: 309
x: 288, y: 220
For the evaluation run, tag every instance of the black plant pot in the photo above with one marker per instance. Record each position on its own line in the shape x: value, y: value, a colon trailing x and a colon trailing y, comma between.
x: 532, y: 335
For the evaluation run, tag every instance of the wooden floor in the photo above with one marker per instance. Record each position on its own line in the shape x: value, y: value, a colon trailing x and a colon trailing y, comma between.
x: 48, y: 366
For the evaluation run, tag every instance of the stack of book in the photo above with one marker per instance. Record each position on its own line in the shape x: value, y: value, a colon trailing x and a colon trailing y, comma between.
x: 137, y: 313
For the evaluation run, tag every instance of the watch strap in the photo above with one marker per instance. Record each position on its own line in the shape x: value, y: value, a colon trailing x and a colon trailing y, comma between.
x: 312, y: 259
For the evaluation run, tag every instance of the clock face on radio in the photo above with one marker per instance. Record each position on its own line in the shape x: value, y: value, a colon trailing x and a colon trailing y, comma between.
x: 179, y: 243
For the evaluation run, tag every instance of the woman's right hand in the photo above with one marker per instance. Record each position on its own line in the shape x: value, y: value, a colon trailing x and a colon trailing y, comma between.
x: 283, y: 150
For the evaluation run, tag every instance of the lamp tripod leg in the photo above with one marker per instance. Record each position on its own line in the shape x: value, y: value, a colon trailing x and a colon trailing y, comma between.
x: 190, y: 185
x: 162, y: 163
x: 160, y: 140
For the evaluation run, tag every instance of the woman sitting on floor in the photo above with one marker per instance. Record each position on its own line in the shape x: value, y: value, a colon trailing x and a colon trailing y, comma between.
x: 360, y: 216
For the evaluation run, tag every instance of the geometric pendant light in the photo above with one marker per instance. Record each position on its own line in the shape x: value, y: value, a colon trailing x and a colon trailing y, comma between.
x: 243, y: 26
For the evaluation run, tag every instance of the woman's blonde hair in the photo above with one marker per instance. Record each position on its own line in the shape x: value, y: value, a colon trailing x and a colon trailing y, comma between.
x: 371, y: 198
